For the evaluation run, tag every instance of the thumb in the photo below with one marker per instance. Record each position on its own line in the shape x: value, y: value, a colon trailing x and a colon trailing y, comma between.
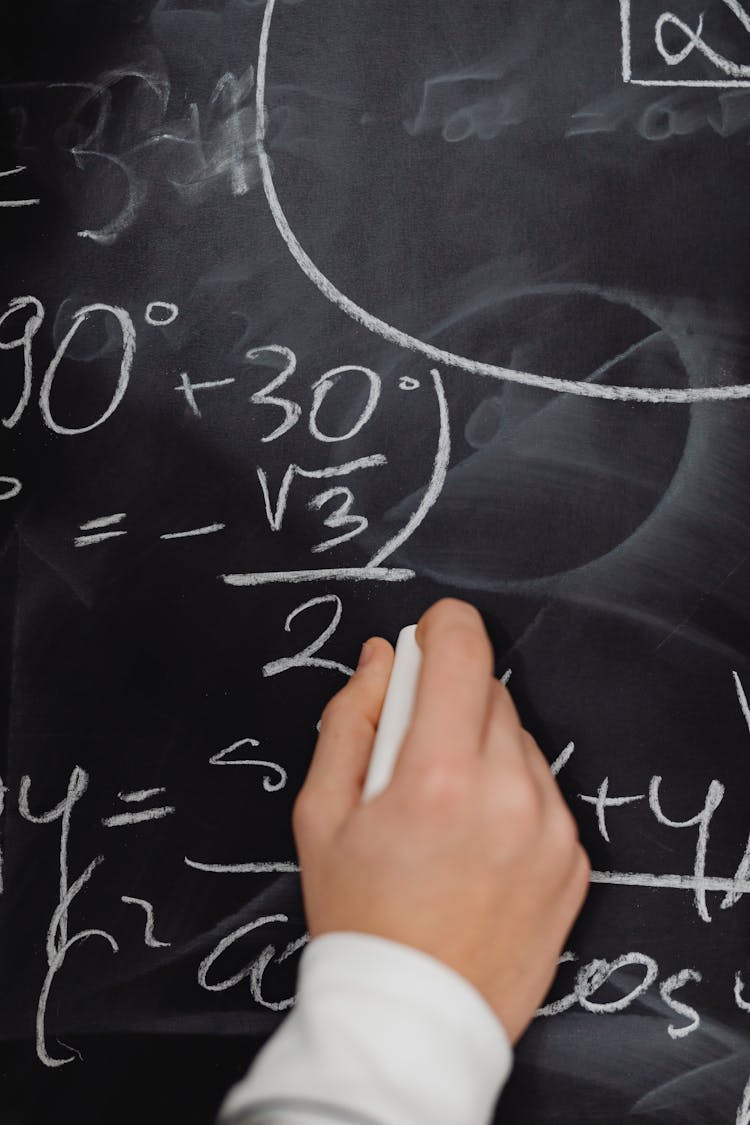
x: 333, y: 787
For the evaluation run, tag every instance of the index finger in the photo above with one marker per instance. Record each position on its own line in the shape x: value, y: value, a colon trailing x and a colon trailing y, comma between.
x: 455, y: 684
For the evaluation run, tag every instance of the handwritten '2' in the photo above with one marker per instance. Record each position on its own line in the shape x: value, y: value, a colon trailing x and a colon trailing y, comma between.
x: 694, y: 41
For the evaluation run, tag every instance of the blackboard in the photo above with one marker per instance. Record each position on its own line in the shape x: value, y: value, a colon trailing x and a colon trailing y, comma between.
x: 313, y: 312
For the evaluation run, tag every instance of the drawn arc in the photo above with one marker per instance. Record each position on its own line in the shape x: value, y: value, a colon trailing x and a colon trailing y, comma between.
x: 412, y: 343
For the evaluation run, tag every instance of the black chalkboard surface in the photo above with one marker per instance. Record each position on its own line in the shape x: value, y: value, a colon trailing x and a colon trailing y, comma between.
x: 311, y: 313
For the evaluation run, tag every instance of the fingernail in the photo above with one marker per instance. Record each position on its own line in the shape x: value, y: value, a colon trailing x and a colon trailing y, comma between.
x: 365, y: 655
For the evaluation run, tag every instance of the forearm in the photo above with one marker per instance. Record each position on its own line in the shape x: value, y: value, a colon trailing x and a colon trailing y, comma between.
x: 380, y: 1035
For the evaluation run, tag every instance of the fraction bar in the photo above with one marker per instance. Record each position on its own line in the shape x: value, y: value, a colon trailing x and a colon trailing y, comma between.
x: 260, y: 868
x: 341, y: 574
x: 612, y: 878
x: 672, y: 882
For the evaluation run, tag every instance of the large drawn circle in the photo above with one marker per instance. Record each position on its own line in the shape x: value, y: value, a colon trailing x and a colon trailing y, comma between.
x: 374, y: 324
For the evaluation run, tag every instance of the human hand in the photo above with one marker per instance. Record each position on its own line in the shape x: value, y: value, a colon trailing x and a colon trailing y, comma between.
x: 471, y: 854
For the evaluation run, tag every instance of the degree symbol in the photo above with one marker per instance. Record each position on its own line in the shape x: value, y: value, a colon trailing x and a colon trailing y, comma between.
x: 407, y: 383
x: 12, y: 486
x: 161, y: 313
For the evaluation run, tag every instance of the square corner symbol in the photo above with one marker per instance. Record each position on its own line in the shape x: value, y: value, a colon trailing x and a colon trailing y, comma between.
x: 693, y: 43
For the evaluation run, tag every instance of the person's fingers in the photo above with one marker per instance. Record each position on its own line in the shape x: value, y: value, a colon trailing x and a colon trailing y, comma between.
x: 503, y: 733
x: 454, y: 689
x: 506, y: 738
x: 509, y: 747
x: 540, y: 767
x: 333, y: 786
x: 560, y: 824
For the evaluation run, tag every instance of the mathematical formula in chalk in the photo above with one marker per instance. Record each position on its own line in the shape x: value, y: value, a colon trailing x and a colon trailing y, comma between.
x: 314, y: 314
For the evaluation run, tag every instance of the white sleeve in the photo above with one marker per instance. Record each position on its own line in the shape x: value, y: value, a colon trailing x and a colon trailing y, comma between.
x: 381, y: 1034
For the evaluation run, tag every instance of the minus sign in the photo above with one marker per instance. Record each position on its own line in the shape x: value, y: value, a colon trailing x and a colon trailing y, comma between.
x: 208, y: 530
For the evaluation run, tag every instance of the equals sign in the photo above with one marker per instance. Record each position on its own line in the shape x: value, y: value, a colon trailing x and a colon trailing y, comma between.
x: 16, y: 202
x: 137, y: 816
x: 95, y: 534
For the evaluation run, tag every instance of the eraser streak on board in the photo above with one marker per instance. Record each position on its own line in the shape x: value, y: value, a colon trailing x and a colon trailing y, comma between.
x: 396, y: 714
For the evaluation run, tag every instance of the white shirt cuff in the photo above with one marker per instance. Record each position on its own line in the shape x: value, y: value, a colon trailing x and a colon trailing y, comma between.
x: 383, y: 1033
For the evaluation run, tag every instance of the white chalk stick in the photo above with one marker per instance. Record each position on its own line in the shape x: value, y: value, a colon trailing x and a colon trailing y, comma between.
x: 396, y: 714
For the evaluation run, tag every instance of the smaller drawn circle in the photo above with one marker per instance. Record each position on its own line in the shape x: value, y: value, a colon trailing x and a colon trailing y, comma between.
x: 13, y: 487
x: 408, y: 383
x: 161, y: 313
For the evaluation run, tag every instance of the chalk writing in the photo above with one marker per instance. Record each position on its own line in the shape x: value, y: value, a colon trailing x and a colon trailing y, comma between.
x: 9, y: 487
x: 739, y: 988
x: 590, y: 980
x: 695, y: 41
x: 412, y: 343
x: 374, y: 571
x: 229, y: 757
x: 263, y: 397
x: 330, y: 574
x: 667, y: 988
x: 306, y: 657
x: 256, y: 968
x: 275, y: 412
x: 24, y: 341
x: 58, y: 942
x: 137, y: 795
x: 602, y: 802
x: 128, y: 352
x: 210, y: 142
x: 94, y: 532
x: 743, y: 1112
x: 148, y: 933
x: 563, y: 757
x: 161, y: 313
x: 701, y: 820
x: 321, y: 390
x: 593, y: 976
x: 188, y: 389
x: 275, y: 512
x: 732, y: 73
x: 30, y: 202
x: 3, y: 791
x: 194, y: 532
x: 127, y: 819
x: 253, y: 867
